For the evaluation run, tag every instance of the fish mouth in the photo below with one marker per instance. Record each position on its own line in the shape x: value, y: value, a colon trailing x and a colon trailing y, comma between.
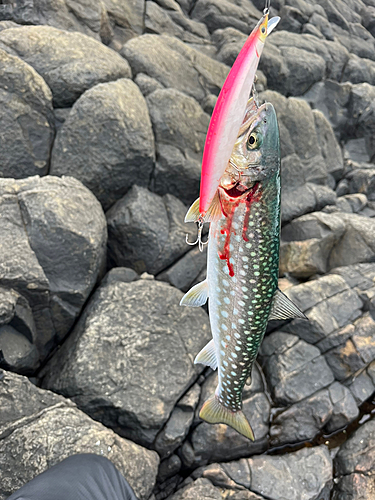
x: 237, y: 191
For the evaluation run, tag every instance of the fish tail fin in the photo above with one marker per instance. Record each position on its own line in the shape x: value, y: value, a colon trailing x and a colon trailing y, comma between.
x: 214, y: 412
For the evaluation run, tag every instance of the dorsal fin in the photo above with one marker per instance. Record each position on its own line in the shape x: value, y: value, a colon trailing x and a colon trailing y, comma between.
x: 284, y: 308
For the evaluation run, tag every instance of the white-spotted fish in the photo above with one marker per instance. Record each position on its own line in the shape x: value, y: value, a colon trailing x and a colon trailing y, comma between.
x: 243, y: 264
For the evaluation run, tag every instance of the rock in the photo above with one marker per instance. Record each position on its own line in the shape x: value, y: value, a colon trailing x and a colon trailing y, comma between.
x: 145, y: 363
x: 26, y: 119
x: 302, y: 475
x: 362, y: 181
x: 53, y: 245
x: 354, y: 486
x: 185, y: 272
x: 70, y: 63
x: 329, y: 146
x: 361, y: 114
x: 356, y: 454
x: 174, y: 64
x: 16, y: 311
x: 124, y: 274
x: 107, y: 141
x: 86, y: 17
x: 146, y: 84
x: 362, y: 387
x: 201, y: 488
x: 174, y: 432
x: 229, y: 475
x: 146, y: 231
x: 180, y: 127
x: 344, y: 410
x: 216, y: 15
x: 17, y: 353
x: 352, y: 203
x: 293, y: 373
x: 39, y: 429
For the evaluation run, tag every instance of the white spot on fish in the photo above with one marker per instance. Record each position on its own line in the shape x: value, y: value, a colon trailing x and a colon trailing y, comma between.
x: 226, y: 300
x: 224, y: 313
x: 225, y: 283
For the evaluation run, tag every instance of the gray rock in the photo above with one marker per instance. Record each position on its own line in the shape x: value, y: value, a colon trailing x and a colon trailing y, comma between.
x: 70, y: 63
x: 184, y: 273
x: 302, y: 475
x: 362, y: 181
x: 329, y: 146
x: 145, y: 362
x: 174, y: 64
x: 169, y: 468
x: 146, y: 84
x: 355, y: 486
x: 230, y: 475
x: 362, y: 387
x: 17, y: 353
x: 124, y: 274
x: 352, y: 203
x: 39, y: 429
x: 201, y: 488
x: 53, y: 245
x: 356, y: 454
x: 174, y: 432
x: 127, y: 19
x: 26, y: 119
x: 294, y: 373
x: 222, y: 14
x: 344, y: 410
x: 84, y: 16
x: 16, y: 311
x: 361, y: 113
x: 146, y: 231
x: 107, y: 141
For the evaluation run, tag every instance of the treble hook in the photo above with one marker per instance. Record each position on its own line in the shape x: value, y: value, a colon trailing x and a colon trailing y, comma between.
x: 201, y: 243
x: 255, y: 95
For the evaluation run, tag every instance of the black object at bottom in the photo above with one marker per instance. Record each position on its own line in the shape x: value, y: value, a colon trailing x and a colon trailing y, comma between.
x: 80, y: 477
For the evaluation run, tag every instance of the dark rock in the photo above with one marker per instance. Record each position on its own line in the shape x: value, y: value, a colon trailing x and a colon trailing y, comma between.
x: 26, y: 119
x: 16, y: 311
x: 146, y: 84
x: 174, y: 64
x: 169, y: 467
x: 222, y: 14
x: 362, y: 181
x: 292, y: 19
x: 302, y: 475
x: 53, y: 246
x: 356, y: 454
x: 361, y: 113
x: 329, y: 147
x: 174, y: 432
x: 86, y: 17
x: 352, y: 203
x: 184, y: 273
x: 127, y: 18
x: 61, y: 115
x: 107, y: 141
x: 362, y: 387
x: 344, y: 410
x: 201, y: 488
x: 359, y: 70
x: 124, y: 274
x: 39, y: 429
x: 70, y: 63
x: 17, y: 353
x: 146, y: 231
x: 145, y: 360
x: 355, y: 486
x: 323, y: 25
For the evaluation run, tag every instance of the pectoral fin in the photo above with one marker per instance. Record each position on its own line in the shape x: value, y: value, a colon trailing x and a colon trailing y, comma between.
x: 207, y: 356
x: 196, y: 296
x: 214, y: 412
x: 284, y: 308
x: 213, y: 212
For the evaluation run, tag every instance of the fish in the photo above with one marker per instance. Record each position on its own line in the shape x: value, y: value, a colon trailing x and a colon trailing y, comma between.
x: 230, y: 109
x: 242, y: 264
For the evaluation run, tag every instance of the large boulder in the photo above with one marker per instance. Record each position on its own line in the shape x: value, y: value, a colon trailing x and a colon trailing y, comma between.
x: 70, y: 63
x: 26, y: 119
x: 175, y: 64
x: 38, y: 429
x: 107, y: 141
x: 53, y: 247
x: 147, y: 232
x: 130, y: 357
x: 180, y: 127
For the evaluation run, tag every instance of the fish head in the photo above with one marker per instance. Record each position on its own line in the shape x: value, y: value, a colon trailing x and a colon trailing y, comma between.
x: 256, y: 153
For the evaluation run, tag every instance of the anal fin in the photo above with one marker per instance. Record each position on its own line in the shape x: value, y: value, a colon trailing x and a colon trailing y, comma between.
x: 214, y: 412
x: 207, y: 356
x: 196, y: 296
x: 284, y: 308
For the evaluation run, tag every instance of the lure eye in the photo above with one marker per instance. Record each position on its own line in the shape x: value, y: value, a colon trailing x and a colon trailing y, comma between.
x: 263, y: 30
x: 254, y: 141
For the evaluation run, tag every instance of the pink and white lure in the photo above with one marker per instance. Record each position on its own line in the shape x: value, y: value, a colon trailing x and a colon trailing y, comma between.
x: 230, y: 110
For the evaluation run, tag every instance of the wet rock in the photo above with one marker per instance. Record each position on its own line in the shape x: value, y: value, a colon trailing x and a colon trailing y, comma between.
x: 146, y: 231
x: 39, y: 429
x: 107, y: 141
x: 26, y: 119
x: 180, y: 127
x: 17, y: 353
x: 174, y: 64
x: 144, y: 364
x: 185, y: 272
x: 86, y: 17
x: 302, y: 475
x: 53, y: 241
x: 296, y: 372
x: 356, y: 454
x: 70, y: 63
x: 223, y: 14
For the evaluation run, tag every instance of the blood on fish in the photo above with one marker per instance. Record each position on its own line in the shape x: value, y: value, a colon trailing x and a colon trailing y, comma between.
x: 225, y: 205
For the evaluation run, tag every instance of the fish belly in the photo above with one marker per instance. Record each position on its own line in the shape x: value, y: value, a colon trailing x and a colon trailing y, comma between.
x: 242, y: 272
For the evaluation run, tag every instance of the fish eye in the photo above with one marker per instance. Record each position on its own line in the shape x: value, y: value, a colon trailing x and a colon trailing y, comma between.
x: 254, y: 141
